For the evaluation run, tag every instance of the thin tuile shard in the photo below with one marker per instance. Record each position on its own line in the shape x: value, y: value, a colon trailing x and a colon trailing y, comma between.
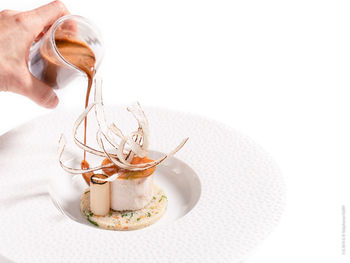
x: 136, y: 141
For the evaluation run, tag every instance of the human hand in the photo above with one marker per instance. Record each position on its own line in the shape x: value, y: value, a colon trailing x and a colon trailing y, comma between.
x: 18, y: 30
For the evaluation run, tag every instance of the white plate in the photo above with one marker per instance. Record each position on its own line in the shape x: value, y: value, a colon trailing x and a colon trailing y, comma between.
x: 225, y: 195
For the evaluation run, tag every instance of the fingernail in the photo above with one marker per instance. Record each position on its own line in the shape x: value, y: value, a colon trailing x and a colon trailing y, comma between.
x: 52, y: 103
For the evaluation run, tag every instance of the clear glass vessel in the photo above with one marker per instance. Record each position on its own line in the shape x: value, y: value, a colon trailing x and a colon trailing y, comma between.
x: 48, y: 65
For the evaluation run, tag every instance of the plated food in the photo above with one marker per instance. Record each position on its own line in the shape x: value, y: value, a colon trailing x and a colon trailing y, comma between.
x: 121, y: 194
x: 127, y: 220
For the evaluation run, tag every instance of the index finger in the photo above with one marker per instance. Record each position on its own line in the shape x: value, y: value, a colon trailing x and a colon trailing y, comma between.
x: 45, y: 16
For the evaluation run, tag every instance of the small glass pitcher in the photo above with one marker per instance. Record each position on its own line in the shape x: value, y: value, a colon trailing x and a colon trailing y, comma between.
x: 48, y: 65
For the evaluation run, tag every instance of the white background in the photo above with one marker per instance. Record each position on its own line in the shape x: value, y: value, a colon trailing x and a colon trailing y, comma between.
x: 278, y: 71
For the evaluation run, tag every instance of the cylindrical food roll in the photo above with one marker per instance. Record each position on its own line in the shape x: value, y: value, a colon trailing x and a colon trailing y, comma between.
x: 100, y: 198
x: 131, y: 194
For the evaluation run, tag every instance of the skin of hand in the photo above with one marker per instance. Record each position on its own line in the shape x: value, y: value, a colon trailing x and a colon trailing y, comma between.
x: 18, y: 30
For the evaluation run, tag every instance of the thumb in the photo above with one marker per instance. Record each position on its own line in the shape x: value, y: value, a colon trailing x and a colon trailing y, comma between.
x: 42, y: 94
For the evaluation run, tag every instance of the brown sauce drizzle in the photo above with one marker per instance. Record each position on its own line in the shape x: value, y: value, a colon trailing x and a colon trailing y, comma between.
x: 80, y: 55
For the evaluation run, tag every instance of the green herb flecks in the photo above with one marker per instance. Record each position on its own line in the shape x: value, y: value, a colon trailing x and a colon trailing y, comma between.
x: 92, y: 222
x: 149, y: 214
x: 131, y: 215
x: 138, y: 219
x: 125, y: 214
x: 154, y: 198
x: 163, y: 197
x: 110, y: 213
x: 87, y: 191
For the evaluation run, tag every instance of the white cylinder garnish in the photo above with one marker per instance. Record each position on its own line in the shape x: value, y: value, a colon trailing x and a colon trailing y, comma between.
x: 100, y: 196
x: 131, y: 194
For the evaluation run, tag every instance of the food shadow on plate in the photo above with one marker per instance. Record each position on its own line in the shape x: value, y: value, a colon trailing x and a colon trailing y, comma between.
x: 4, y: 259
